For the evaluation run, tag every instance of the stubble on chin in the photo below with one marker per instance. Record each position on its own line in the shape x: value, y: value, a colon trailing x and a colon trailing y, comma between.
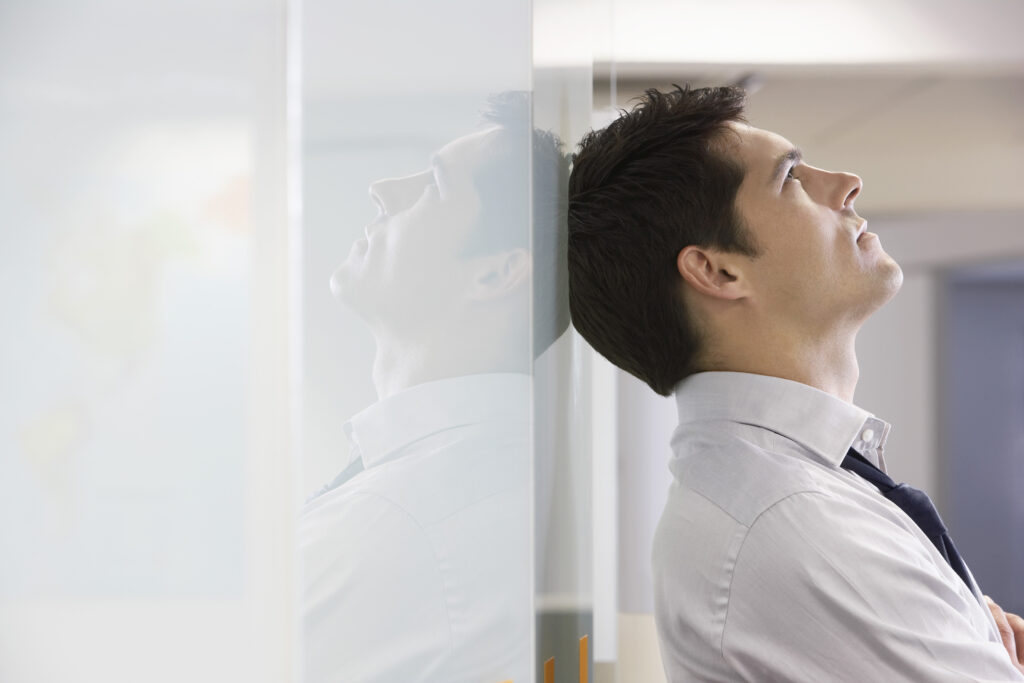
x: 893, y: 276
x: 887, y: 283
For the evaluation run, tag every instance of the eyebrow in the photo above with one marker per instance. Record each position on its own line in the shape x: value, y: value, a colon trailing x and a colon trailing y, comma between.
x: 793, y: 156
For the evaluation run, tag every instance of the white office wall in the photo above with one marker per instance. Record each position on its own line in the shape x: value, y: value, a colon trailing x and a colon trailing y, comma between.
x: 646, y: 422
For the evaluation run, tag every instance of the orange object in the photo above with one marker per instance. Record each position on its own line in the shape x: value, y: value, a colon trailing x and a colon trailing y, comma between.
x: 549, y: 671
x: 584, y: 659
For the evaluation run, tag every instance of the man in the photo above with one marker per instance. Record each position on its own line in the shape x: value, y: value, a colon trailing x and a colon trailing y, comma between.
x: 417, y: 556
x: 707, y: 258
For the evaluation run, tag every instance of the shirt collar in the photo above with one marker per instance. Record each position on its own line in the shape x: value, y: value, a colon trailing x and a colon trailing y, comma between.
x: 383, y: 428
x: 821, y: 422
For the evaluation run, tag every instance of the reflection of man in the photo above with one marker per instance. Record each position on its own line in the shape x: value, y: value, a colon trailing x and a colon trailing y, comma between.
x: 417, y: 556
x: 707, y: 258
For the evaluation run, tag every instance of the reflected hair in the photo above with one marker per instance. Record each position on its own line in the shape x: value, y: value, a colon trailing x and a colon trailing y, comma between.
x: 651, y: 183
x: 526, y: 167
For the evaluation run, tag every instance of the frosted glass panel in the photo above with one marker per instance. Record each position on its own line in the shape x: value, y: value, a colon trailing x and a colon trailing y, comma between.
x: 417, y: 295
x: 141, y: 191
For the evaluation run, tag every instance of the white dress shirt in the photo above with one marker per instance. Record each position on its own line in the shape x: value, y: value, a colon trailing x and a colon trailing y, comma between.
x: 417, y: 559
x: 772, y: 563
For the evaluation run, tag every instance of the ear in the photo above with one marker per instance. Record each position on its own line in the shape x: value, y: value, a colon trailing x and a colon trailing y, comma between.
x: 714, y: 273
x: 501, y: 273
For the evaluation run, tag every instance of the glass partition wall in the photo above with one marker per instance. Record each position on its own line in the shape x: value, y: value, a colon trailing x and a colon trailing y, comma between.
x: 446, y: 535
x: 289, y: 388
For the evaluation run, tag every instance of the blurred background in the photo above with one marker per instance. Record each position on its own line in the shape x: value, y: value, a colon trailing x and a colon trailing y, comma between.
x: 179, y: 180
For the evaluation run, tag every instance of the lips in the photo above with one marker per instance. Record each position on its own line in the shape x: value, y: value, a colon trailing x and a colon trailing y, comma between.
x: 863, y: 228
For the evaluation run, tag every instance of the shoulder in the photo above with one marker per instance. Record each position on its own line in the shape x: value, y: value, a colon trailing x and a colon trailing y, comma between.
x: 338, y: 527
x: 837, y: 584
x: 723, y: 488
x: 743, y: 477
x: 451, y: 507
x: 721, y: 485
x: 815, y: 533
x: 457, y: 471
x: 829, y: 557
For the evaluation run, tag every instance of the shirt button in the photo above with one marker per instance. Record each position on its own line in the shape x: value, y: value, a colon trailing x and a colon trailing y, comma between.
x: 867, y: 435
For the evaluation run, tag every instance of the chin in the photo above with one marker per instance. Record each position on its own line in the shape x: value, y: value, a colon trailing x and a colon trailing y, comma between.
x: 893, y: 278
x: 339, y: 283
x: 346, y: 287
x: 886, y: 284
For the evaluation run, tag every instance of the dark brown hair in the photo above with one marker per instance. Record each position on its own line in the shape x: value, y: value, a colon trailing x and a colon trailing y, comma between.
x: 642, y: 189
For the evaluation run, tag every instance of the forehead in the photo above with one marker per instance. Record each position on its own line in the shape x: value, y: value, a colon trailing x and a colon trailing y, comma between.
x: 757, y: 149
x: 463, y: 154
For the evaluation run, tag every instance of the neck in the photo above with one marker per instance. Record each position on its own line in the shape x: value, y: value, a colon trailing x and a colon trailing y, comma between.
x: 828, y: 363
x: 402, y: 362
x: 398, y: 366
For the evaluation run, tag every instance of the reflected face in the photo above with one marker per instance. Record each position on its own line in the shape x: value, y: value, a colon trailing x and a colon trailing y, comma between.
x: 817, y: 262
x: 407, y: 267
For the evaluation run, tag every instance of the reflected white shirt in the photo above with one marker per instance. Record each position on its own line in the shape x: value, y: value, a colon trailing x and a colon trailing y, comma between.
x: 772, y: 563
x: 417, y: 566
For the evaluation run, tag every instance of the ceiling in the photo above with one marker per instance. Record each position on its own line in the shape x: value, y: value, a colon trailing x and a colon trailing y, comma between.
x: 924, y: 99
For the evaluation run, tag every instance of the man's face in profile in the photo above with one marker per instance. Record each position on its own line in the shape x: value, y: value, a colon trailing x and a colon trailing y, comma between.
x: 408, y: 265
x: 817, y: 264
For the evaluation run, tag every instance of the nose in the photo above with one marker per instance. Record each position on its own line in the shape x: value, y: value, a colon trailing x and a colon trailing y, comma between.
x: 379, y: 193
x: 393, y: 195
x: 849, y: 186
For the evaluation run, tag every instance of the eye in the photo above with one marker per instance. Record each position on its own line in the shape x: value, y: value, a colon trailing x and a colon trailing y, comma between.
x: 789, y: 174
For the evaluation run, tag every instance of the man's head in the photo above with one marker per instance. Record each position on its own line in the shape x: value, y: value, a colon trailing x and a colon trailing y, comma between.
x: 692, y: 234
x: 450, y: 250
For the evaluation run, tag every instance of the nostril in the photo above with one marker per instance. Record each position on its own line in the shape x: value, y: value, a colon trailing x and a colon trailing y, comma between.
x: 853, y: 191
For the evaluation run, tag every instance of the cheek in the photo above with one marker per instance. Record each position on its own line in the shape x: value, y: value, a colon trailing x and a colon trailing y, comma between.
x: 806, y: 260
x: 430, y: 238
x: 423, y: 256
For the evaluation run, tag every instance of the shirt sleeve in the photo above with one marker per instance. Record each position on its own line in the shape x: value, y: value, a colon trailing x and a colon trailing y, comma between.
x: 374, y: 599
x: 821, y: 591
